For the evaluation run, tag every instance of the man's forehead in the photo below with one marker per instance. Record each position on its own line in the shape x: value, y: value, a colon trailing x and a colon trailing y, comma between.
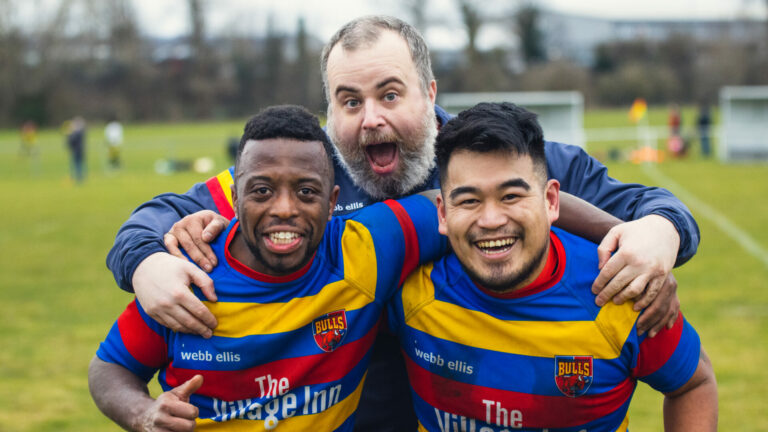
x: 498, y: 167
x: 290, y: 153
x: 389, y: 51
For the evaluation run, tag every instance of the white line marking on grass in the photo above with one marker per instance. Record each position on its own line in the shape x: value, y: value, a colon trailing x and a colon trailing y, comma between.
x: 740, y: 236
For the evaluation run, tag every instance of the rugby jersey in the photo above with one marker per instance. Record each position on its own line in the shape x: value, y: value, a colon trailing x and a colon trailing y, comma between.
x: 288, y: 351
x: 542, y: 357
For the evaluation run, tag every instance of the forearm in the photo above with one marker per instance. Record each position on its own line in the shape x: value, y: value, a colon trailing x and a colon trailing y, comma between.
x: 583, y: 176
x: 118, y: 393
x: 584, y: 219
x: 142, y: 234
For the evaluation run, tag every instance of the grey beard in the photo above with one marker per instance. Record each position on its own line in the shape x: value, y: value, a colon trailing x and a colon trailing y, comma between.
x: 415, y: 167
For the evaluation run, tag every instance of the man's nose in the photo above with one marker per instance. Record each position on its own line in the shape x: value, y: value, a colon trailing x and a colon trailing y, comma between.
x: 284, y: 206
x: 491, y: 216
x: 372, y: 115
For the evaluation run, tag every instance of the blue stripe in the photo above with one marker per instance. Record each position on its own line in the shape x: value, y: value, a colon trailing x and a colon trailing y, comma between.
x: 252, y: 351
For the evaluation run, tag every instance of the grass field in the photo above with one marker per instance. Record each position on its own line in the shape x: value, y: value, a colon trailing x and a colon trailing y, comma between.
x: 59, y: 298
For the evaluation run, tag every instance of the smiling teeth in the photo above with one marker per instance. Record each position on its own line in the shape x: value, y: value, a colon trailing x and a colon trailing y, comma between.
x: 495, y: 243
x: 283, y: 237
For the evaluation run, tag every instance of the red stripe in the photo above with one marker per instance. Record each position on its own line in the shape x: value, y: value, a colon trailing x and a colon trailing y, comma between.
x: 220, y: 198
x: 300, y: 371
x: 411, y: 260
x: 146, y: 346
x: 537, y: 411
x: 655, y: 351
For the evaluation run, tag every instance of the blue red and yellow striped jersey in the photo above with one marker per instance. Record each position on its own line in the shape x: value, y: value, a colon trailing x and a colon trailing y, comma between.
x: 290, y: 351
x: 542, y: 358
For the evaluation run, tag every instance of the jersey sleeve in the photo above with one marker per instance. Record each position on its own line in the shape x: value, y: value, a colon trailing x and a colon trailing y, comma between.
x: 583, y: 176
x: 404, y: 235
x: 668, y: 360
x: 136, y: 342
x: 142, y: 234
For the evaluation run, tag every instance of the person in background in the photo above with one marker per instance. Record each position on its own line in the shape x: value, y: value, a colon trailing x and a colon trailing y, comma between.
x: 704, y: 124
x: 113, y: 134
x: 76, y: 146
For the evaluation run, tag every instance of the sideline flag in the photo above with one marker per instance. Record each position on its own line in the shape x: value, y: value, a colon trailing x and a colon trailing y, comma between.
x: 638, y: 110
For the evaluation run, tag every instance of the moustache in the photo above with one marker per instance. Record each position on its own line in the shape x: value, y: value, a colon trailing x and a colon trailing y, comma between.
x: 480, y: 233
x: 377, y: 137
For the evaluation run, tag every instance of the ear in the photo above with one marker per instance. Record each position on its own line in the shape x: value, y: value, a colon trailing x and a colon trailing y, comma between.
x: 552, y: 198
x: 234, y: 199
x: 432, y: 91
x: 333, y: 199
x: 442, y: 226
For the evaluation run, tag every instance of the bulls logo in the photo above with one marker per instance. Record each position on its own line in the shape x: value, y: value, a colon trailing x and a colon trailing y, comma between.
x: 573, y: 374
x: 329, y: 330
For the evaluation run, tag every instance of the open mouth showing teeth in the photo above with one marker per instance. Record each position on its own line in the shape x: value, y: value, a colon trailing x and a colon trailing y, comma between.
x: 382, y: 157
x: 495, y: 246
x: 283, y: 237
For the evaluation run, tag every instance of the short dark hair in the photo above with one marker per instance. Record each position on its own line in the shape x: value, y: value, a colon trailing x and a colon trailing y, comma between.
x: 286, y: 121
x: 488, y: 127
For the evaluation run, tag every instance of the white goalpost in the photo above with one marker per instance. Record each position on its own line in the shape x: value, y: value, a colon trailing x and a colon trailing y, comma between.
x: 744, y: 123
x: 561, y: 113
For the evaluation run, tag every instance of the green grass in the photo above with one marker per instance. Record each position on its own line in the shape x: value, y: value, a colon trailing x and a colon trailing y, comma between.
x: 59, y: 298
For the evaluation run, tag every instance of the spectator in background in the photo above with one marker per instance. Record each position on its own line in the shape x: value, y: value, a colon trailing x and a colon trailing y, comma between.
x: 28, y: 139
x: 76, y: 145
x: 704, y: 123
x: 113, y: 133
x: 675, y: 143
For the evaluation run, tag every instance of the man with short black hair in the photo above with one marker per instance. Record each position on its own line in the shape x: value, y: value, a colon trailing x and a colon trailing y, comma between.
x: 504, y: 332
x: 301, y: 296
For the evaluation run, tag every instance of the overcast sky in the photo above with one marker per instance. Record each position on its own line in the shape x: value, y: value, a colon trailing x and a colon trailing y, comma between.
x: 168, y: 18
x: 323, y: 18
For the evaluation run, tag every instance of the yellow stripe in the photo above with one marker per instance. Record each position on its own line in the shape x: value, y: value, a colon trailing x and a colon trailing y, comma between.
x: 601, y: 338
x: 624, y: 424
x: 327, y: 420
x: 360, y: 264
x: 226, y: 181
x: 244, y: 319
x: 417, y: 290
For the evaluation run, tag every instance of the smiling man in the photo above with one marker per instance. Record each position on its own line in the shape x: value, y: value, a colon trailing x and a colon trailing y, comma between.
x: 504, y: 332
x: 301, y: 295
x: 382, y: 119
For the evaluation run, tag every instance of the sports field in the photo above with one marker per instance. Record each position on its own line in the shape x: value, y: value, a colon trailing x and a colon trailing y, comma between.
x: 59, y: 299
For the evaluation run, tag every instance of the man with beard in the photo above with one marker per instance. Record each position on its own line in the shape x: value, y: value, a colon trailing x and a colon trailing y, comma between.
x: 301, y: 295
x: 504, y: 332
x: 382, y: 119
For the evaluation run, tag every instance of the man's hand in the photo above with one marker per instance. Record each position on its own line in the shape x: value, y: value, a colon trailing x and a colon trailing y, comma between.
x: 171, y: 411
x: 646, y: 250
x: 662, y: 311
x: 193, y: 233
x: 161, y: 283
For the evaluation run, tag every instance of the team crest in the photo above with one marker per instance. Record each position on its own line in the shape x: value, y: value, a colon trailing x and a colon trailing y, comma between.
x: 329, y: 330
x: 573, y: 374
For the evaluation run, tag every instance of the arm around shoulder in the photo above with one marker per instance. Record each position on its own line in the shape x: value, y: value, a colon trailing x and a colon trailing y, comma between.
x: 585, y: 177
x: 142, y: 234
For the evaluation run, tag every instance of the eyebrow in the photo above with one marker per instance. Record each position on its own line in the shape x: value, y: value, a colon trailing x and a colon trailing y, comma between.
x: 518, y: 182
x: 343, y: 88
x: 389, y: 80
